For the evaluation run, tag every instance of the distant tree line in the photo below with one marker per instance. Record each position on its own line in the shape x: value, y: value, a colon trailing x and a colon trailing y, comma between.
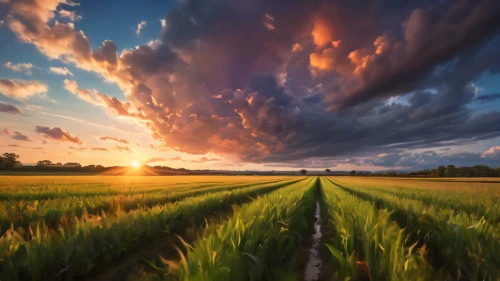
x: 451, y: 171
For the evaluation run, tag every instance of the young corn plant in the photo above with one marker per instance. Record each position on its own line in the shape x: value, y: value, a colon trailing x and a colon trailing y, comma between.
x: 258, y: 242
x: 367, y: 245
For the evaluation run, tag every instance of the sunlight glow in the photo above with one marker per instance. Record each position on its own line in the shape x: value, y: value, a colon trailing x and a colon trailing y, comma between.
x: 136, y: 164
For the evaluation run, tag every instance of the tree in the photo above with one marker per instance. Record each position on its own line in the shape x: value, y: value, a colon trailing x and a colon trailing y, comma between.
x: 43, y: 163
x: 8, y: 160
x: 352, y: 173
x: 77, y: 165
x: 451, y: 171
x: 327, y: 170
x: 303, y: 171
x: 11, y: 156
x: 440, y: 171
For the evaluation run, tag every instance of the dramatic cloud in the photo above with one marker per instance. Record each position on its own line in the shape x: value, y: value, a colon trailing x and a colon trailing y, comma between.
x: 61, y: 71
x: 99, y: 149
x: 112, y: 104
x: 22, y: 89
x: 271, y: 81
x: 113, y: 139
x: 57, y: 133
x: 9, y: 108
x: 20, y: 67
x: 140, y: 27
x: 154, y: 159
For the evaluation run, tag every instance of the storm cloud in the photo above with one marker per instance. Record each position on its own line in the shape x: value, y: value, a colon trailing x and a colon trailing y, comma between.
x: 274, y: 81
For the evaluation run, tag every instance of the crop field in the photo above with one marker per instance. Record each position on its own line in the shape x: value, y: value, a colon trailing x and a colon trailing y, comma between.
x: 248, y: 228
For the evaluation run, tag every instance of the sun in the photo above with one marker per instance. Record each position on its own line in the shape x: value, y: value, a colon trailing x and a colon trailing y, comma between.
x: 136, y: 164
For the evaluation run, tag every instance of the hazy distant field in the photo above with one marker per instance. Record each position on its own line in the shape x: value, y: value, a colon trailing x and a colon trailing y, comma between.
x: 248, y: 228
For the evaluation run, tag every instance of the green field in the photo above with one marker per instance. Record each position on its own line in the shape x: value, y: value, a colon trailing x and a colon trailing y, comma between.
x: 248, y: 228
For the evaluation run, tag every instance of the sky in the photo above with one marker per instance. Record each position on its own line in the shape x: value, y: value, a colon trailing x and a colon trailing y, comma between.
x: 252, y: 84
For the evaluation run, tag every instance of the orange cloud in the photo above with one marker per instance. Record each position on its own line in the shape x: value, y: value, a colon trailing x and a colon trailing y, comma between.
x: 113, y: 104
x: 323, y: 60
x: 99, y: 149
x: 492, y: 152
x: 154, y: 159
x: 360, y: 58
x: 71, y: 15
x: 122, y: 148
x: 22, y: 89
x: 297, y: 47
x: 321, y: 33
x: 202, y: 160
x: 20, y: 67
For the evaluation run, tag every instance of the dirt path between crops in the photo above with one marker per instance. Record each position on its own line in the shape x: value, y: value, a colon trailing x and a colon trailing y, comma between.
x: 312, y: 261
x: 315, y: 263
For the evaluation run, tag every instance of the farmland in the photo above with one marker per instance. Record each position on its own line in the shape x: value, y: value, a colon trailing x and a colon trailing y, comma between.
x: 248, y: 228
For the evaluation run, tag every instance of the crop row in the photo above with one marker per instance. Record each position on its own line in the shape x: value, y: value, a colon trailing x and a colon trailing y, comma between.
x: 71, y: 252
x: 50, y: 187
x: 56, y: 212
x: 476, y: 204
x: 393, y: 238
